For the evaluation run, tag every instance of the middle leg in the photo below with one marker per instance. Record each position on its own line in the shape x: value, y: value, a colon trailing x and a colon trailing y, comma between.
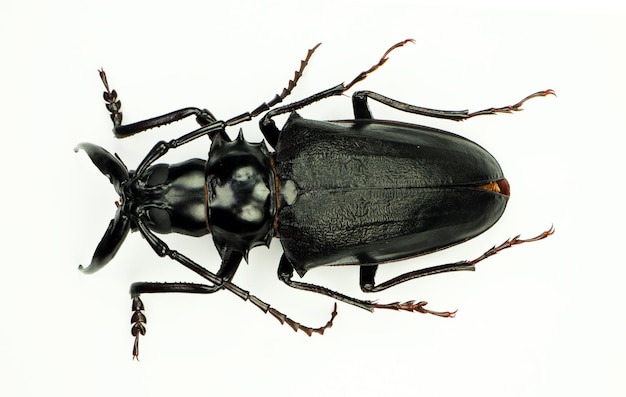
x: 285, y: 274
x: 368, y: 272
x: 361, y: 108
x: 203, y: 116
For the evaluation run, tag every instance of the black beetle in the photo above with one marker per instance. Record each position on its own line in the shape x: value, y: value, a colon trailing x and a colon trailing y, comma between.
x: 361, y: 191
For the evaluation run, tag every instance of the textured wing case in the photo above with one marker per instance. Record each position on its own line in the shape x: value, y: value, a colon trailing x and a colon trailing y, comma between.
x: 370, y: 191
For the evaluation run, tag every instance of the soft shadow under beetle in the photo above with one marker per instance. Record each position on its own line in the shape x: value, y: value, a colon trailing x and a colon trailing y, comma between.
x: 361, y: 191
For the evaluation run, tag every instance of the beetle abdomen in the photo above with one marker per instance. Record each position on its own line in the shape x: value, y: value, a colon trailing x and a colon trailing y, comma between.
x: 373, y: 191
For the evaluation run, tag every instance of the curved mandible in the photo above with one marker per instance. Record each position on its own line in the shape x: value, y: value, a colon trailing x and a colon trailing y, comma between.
x: 118, y: 228
x: 111, y: 242
x: 108, y: 164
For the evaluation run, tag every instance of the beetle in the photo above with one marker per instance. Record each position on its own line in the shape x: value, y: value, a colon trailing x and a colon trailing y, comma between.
x: 361, y: 191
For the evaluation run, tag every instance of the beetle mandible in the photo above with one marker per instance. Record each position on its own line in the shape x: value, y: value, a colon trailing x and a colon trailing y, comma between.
x: 360, y: 191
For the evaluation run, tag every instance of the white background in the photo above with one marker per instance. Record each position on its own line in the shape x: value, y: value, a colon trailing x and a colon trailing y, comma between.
x: 544, y: 319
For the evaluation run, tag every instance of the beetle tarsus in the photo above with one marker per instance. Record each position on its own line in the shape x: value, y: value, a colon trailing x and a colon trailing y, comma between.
x: 138, y: 320
x: 412, y: 306
x: 512, y: 108
x: 113, y: 104
x: 511, y: 242
x: 136, y: 348
x: 203, y: 116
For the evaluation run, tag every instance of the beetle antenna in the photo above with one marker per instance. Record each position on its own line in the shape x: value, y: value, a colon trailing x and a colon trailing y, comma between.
x: 292, y: 83
x: 265, y: 106
x: 380, y: 63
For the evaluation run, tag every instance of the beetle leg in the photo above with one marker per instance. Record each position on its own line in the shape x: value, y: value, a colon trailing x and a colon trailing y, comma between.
x: 162, y: 147
x: 366, y: 277
x: 367, y: 273
x: 285, y: 273
x: 162, y: 249
x: 361, y: 109
x: 138, y: 319
x: 203, y: 116
x: 267, y: 124
x: 209, y: 125
x: 113, y: 105
x: 230, y: 263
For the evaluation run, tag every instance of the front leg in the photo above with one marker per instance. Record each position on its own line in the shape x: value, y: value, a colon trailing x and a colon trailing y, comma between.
x: 219, y: 282
x: 114, y: 105
x: 162, y: 147
x: 203, y: 116
x: 230, y: 263
x: 139, y: 320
